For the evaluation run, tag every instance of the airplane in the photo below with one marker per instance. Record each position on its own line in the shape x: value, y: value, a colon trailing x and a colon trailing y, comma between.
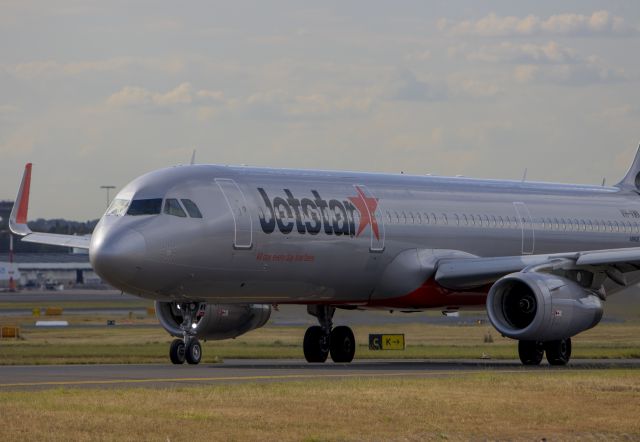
x: 217, y: 246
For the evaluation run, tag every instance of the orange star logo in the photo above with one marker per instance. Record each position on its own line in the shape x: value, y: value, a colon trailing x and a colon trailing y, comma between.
x: 367, y: 207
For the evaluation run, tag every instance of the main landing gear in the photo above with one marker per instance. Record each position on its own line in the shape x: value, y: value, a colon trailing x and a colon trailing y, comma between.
x: 188, y: 348
x: 323, y: 340
x: 558, y: 352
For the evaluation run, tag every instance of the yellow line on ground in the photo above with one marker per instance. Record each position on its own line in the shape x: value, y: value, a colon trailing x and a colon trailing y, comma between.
x: 254, y: 378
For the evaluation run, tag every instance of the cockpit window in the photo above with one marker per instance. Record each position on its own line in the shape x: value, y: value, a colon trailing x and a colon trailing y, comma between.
x: 172, y: 207
x: 191, y: 207
x: 145, y: 207
x: 118, y: 207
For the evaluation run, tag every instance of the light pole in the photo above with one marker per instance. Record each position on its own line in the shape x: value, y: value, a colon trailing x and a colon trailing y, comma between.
x: 108, y: 189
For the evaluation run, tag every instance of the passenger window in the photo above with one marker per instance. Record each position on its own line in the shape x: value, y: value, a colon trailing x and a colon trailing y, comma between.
x: 192, y: 209
x: 434, y: 220
x: 150, y: 206
x: 445, y: 220
x: 172, y: 207
x: 457, y: 218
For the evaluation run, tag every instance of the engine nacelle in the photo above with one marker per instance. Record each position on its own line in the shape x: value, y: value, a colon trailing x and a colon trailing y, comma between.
x: 541, y: 307
x: 218, y: 321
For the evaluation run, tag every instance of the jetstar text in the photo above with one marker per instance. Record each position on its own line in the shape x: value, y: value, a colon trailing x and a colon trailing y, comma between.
x: 307, y: 215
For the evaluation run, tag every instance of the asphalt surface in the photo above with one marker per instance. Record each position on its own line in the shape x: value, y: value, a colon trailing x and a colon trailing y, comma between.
x: 14, y: 378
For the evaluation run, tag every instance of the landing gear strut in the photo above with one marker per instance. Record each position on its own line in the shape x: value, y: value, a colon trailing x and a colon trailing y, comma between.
x: 188, y: 348
x: 558, y: 352
x: 323, y: 340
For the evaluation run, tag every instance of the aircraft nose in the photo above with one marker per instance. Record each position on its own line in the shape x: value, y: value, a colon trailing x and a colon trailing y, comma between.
x: 117, y: 256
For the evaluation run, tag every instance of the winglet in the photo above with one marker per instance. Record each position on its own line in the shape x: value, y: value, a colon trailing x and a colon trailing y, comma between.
x: 631, y: 181
x: 18, y: 218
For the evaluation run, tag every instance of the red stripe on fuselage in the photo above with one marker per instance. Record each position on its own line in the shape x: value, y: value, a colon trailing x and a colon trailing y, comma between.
x: 429, y: 295
x: 23, y: 204
x: 433, y: 295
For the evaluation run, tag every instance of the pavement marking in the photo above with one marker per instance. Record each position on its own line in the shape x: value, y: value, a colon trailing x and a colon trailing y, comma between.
x: 247, y: 378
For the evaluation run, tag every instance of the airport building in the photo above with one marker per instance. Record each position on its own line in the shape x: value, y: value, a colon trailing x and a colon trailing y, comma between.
x: 48, y: 270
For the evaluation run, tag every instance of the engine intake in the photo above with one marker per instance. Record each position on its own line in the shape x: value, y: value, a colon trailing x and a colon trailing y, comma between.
x: 217, y: 322
x: 534, y: 306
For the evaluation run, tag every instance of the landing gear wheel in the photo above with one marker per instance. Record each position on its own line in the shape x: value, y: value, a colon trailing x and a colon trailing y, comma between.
x: 530, y: 352
x: 315, y: 344
x: 558, y: 352
x: 193, y: 352
x: 342, y: 344
x: 177, y: 351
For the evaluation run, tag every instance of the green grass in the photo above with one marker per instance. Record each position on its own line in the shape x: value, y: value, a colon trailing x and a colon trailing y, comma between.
x: 149, y: 343
x: 545, y: 405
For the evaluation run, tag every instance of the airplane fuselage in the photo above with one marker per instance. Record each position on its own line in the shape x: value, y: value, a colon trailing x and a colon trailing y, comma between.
x: 298, y: 236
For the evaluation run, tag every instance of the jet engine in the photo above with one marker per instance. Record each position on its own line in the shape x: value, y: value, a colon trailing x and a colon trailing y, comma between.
x: 214, y: 321
x: 531, y: 306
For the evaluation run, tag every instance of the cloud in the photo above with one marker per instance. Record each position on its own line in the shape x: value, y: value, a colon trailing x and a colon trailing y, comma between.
x: 278, y: 103
x: 493, y: 25
x: 406, y: 86
x: 272, y: 103
x: 506, y: 52
x: 42, y: 68
x: 183, y: 94
x: 582, y: 74
x: 550, y: 62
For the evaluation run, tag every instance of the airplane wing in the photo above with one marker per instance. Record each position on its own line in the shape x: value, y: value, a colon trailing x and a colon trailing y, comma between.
x: 18, y: 221
x: 465, y: 273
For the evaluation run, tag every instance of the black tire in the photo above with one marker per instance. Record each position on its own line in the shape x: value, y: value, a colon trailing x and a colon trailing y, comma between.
x: 530, y: 352
x: 315, y: 345
x: 558, y: 352
x: 177, y: 351
x: 343, y: 344
x: 193, y: 352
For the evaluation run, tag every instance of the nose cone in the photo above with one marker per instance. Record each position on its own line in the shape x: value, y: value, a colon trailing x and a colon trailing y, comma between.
x: 117, y: 255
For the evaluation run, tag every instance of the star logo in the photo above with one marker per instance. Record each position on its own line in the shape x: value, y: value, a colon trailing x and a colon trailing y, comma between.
x: 367, y: 207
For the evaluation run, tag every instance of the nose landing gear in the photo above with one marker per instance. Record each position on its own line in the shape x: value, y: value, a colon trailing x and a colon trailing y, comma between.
x: 324, y: 340
x: 188, y: 348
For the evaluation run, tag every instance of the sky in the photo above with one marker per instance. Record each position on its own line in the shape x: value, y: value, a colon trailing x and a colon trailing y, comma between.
x: 97, y: 93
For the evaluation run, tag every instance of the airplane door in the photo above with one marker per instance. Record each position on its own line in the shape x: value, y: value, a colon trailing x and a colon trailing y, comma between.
x: 526, y: 225
x: 374, y: 213
x: 243, y: 232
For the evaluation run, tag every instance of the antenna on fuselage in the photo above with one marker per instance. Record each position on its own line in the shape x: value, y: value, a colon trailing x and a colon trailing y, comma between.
x: 193, y: 157
x: 604, y: 181
x: 524, y: 176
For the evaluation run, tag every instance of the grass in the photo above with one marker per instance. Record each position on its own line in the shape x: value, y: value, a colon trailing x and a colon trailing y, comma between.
x: 149, y: 343
x: 560, y: 405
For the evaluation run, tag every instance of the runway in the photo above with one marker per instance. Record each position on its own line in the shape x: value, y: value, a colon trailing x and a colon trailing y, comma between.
x: 14, y: 378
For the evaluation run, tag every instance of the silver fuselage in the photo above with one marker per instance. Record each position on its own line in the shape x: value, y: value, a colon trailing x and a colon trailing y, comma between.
x: 298, y: 236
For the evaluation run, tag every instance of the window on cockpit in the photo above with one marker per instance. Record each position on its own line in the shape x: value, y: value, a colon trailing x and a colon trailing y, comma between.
x: 192, y: 209
x: 118, y: 207
x: 172, y: 207
x: 150, y: 206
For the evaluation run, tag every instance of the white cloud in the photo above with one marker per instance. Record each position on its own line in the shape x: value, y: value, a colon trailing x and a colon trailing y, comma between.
x: 42, y: 68
x: 551, y: 52
x: 406, y: 86
x: 131, y: 96
x: 493, y: 25
x: 278, y: 103
x: 590, y: 72
x: 272, y: 103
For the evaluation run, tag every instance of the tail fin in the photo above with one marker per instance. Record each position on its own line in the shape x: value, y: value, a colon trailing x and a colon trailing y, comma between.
x: 18, y: 218
x: 631, y: 181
